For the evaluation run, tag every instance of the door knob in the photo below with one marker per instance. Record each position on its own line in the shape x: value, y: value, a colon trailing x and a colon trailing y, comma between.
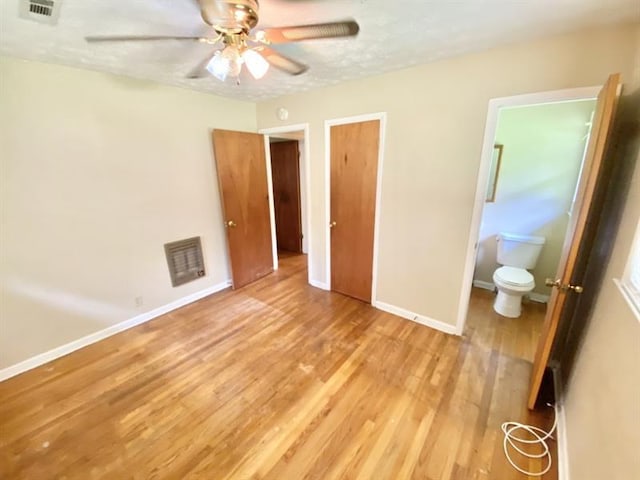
x: 231, y: 224
x: 332, y: 224
x: 563, y: 287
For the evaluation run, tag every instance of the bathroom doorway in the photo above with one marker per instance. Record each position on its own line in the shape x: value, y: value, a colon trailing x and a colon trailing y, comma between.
x: 538, y: 149
x: 539, y: 155
x: 592, y: 182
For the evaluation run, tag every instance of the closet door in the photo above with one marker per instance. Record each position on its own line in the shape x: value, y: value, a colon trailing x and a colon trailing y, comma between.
x: 354, y: 171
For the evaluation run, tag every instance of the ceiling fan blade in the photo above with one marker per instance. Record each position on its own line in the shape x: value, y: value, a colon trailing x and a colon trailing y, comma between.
x: 297, y: 33
x: 137, y: 38
x: 286, y: 64
x: 200, y: 71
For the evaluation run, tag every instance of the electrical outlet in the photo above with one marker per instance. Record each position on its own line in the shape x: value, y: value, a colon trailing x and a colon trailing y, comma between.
x: 139, y: 301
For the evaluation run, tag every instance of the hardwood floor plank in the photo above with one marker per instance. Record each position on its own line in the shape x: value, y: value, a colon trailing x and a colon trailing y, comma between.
x: 277, y: 380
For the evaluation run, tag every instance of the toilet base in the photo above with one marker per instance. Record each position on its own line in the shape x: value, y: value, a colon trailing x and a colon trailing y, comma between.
x: 508, y: 305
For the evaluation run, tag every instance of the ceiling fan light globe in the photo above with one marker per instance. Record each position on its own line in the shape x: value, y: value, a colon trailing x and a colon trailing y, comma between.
x: 232, y: 54
x: 219, y: 67
x: 256, y: 64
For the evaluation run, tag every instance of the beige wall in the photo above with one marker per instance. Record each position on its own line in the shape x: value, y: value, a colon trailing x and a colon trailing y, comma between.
x: 602, y: 399
x: 98, y: 172
x: 602, y: 402
x: 543, y: 150
x: 436, y: 116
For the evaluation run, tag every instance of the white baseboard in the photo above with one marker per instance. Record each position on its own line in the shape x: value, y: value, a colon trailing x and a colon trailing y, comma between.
x: 414, y: 317
x: 62, y: 350
x: 484, y: 285
x: 561, y: 428
x: 533, y: 296
x: 539, y: 297
x: 317, y: 284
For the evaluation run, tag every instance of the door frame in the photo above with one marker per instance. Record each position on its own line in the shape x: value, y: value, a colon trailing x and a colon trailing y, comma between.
x: 495, y: 104
x: 304, y: 205
x: 382, y: 117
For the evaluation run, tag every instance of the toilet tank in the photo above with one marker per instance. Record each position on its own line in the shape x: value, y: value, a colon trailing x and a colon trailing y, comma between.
x: 520, y: 251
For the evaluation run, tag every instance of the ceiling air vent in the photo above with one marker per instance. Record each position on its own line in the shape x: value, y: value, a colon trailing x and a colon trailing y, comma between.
x: 41, y: 11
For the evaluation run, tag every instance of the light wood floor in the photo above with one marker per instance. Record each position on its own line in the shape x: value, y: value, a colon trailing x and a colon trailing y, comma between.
x: 278, y: 380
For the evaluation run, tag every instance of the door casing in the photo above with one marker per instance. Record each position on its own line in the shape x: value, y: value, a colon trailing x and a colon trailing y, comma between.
x: 305, y: 203
x: 382, y: 118
x: 495, y: 104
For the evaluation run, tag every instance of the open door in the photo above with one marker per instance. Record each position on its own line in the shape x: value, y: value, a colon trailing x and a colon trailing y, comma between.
x: 565, y: 282
x: 242, y: 176
x: 285, y: 175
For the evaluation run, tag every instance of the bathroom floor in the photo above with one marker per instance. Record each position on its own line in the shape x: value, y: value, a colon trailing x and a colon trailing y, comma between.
x: 516, y: 337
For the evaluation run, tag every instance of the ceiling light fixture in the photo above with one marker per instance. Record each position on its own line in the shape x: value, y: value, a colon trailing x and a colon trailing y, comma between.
x: 256, y: 64
x: 228, y: 63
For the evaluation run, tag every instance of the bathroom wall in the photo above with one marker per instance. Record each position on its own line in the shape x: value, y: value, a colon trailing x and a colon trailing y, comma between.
x: 543, y: 150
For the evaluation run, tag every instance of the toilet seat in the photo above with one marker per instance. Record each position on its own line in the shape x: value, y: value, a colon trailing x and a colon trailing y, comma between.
x: 514, y: 278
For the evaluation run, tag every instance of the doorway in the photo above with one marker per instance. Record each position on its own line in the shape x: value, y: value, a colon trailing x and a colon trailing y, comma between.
x: 538, y: 156
x: 289, y: 182
x: 482, y: 247
x: 592, y: 177
x: 285, y: 175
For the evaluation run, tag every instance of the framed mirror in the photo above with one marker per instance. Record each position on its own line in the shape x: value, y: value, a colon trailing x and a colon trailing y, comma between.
x: 492, y: 185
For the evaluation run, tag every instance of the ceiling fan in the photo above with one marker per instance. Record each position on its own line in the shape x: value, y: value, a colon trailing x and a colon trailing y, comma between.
x: 233, y: 22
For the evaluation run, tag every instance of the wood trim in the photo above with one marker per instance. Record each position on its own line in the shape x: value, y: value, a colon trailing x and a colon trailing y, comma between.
x: 494, y: 188
x: 607, y: 101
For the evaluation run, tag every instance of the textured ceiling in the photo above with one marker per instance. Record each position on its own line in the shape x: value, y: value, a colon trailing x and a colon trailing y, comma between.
x: 394, y: 34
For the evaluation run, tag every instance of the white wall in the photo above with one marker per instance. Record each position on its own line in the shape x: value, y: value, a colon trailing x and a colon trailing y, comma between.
x: 98, y: 172
x: 435, y: 123
x: 542, y: 154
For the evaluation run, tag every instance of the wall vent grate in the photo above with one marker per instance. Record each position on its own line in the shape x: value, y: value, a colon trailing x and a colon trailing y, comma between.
x: 185, y: 261
x: 42, y: 11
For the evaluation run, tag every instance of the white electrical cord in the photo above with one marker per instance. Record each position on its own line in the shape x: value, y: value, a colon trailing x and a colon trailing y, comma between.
x: 540, y: 437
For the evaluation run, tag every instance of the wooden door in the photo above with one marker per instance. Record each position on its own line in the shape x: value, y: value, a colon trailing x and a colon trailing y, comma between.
x: 285, y: 174
x: 565, y: 281
x: 242, y: 176
x: 354, y: 171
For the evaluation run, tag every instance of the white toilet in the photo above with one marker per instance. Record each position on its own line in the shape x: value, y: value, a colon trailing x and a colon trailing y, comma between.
x: 517, y: 253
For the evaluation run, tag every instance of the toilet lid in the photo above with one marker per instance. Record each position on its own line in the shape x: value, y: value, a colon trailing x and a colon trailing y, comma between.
x: 518, y: 277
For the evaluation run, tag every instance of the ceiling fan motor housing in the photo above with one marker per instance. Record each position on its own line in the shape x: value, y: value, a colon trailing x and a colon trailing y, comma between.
x: 230, y: 16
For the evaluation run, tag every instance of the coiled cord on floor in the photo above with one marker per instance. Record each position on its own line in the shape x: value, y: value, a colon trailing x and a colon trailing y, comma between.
x: 540, y: 437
